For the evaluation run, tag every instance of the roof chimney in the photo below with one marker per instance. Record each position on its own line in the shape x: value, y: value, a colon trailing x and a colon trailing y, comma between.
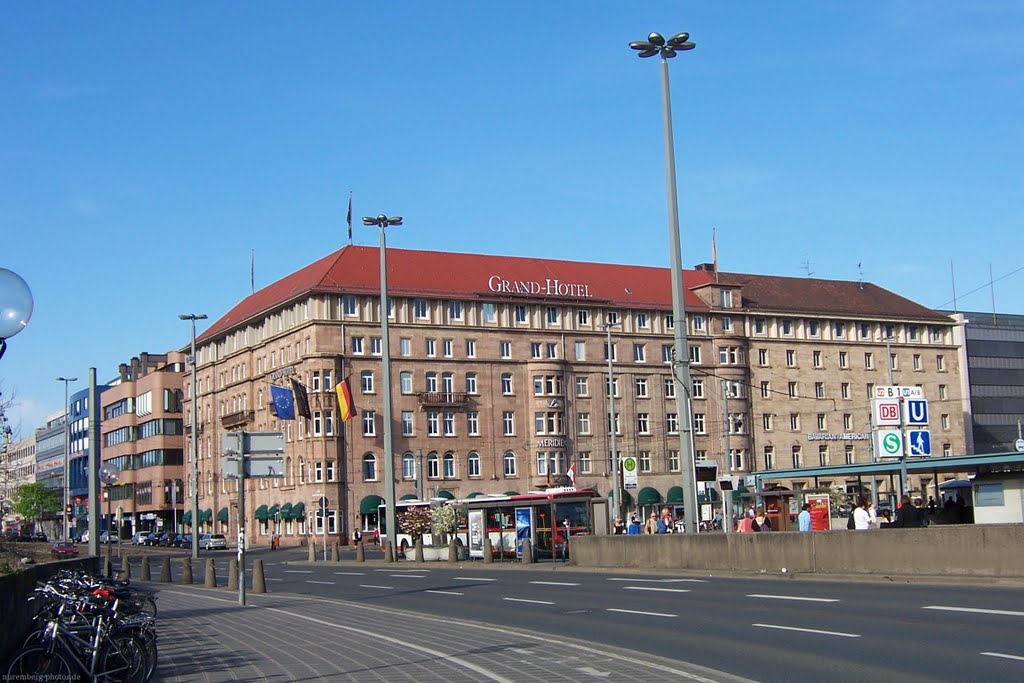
x: 706, y: 267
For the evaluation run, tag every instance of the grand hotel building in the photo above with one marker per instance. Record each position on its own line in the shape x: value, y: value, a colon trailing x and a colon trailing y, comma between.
x: 500, y: 379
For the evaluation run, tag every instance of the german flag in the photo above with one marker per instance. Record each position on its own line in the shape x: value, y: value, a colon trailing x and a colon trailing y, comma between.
x: 346, y: 409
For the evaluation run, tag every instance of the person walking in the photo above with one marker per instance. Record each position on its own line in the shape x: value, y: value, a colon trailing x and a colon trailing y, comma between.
x: 804, y: 518
x: 634, y: 527
x: 760, y: 521
x: 863, y: 515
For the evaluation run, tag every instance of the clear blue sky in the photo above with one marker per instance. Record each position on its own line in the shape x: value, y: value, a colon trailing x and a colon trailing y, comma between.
x: 148, y: 147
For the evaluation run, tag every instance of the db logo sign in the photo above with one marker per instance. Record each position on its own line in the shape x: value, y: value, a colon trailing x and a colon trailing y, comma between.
x: 887, y: 412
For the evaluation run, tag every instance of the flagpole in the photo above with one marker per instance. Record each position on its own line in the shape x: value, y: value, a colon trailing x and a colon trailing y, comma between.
x: 349, y: 217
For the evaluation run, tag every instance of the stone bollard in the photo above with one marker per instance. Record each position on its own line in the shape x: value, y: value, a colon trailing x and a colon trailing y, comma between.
x: 210, y: 578
x: 107, y: 570
x: 126, y: 569
x: 453, y: 551
x: 488, y: 551
x: 360, y: 553
x: 389, y: 552
x: 145, y: 568
x: 233, y: 574
x: 259, y: 584
x: 527, y: 551
x: 165, y: 570
x: 186, y: 571
x: 419, y: 549
x: 334, y: 552
x: 312, y: 551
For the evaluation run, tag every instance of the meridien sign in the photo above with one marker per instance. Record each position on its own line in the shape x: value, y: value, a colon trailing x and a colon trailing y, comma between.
x: 549, y: 287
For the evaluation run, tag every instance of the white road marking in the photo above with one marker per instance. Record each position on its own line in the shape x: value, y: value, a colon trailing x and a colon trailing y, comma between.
x: 349, y: 573
x: 554, y: 583
x: 444, y: 592
x: 791, y: 597
x: 809, y: 630
x: 1003, y: 655
x: 414, y: 571
x: 298, y: 571
x: 471, y: 578
x: 591, y: 671
x: 534, y: 602
x: 617, y: 578
x: 326, y: 583
x: 408, y: 576
x: 646, y: 614
x: 270, y: 579
x: 370, y: 585
x: 976, y: 610
x: 655, y: 588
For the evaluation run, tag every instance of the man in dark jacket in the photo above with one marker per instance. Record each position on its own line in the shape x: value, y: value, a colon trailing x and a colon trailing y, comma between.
x: 907, y: 516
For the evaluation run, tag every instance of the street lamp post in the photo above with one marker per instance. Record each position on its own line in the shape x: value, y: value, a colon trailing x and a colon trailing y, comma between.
x: 383, y: 222
x: 657, y: 45
x: 617, y: 497
x: 109, y: 476
x: 194, y: 479
x: 66, y: 531
x: 15, y: 306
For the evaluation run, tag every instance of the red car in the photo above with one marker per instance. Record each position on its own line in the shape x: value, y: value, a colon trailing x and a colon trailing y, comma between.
x: 64, y: 549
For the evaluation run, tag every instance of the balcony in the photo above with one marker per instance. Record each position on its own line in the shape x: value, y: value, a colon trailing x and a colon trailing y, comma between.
x: 442, y: 399
x: 239, y: 419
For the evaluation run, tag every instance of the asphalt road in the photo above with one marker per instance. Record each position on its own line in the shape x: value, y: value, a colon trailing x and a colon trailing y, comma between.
x: 768, y: 629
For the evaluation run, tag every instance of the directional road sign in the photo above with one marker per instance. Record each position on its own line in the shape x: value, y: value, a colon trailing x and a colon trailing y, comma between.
x: 920, y: 442
x: 898, y: 392
x: 889, y: 443
x: 917, y: 411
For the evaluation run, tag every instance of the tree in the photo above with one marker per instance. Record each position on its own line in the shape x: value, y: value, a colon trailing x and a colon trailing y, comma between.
x: 414, y: 521
x: 446, y: 520
x: 32, y: 500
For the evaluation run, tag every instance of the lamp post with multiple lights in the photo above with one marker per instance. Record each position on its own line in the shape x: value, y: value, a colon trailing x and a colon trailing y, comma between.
x: 194, y: 479
x: 617, y: 496
x: 66, y: 533
x: 667, y: 49
x: 383, y: 222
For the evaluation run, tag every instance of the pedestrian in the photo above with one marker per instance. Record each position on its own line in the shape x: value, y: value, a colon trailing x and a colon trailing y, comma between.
x: 864, y: 515
x: 634, y: 526
x: 665, y: 525
x: 619, y: 527
x: 804, y: 518
x: 651, y: 526
x: 760, y: 521
x: 932, y: 505
x: 886, y: 521
x: 906, y: 514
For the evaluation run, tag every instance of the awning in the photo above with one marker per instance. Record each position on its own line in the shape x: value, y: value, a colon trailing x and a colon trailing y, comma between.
x: 408, y: 496
x: 286, y: 511
x: 627, y: 498
x: 675, y: 495
x: 273, y: 511
x: 738, y: 493
x: 474, y: 494
x: 447, y: 495
x: 298, y: 511
x: 262, y: 513
x: 222, y: 515
x: 648, y: 496
x: 205, y: 516
x: 369, y: 504
x: 187, y: 517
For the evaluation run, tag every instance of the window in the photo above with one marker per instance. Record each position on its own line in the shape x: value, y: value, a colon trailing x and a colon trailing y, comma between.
x: 583, y: 458
x: 535, y: 350
x: 640, y: 387
x: 553, y: 315
x: 670, y: 387
x: 315, y: 381
x: 917, y: 362
x: 520, y: 313
x: 328, y: 385
x: 505, y: 349
x: 489, y: 313
x: 762, y: 357
x: 847, y: 421
x: 698, y: 323
x: 470, y: 348
x: 369, y: 467
x: 698, y: 423
x: 583, y: 423
x: 376, y: 349
x: 611, y: 318
x: 668, y: 353
x: 473, y: 423
x: 787, y: 327
x: 318, y: 471
x: 643, y: 423
x: 609, y: 350
x: 645, y: 461
x: 940, y: 363
x: 769, y: 457
x: 405, y: 346
x: 726, y: 323
x: 823, y: 455
x: 988, y: 495
x: 454, y: 310
x: 446, y: 348
x: 793, y: 390
x: 848, y: 454
x: 552, y: 350
x: 767, y: 421
x: 612, y: 389
x: 348, y: 305
x: 766, y: 389
x: 405, y: 382
x: 695, y: 355
x: 407, y: 423
x: 583, y: 317
x: 471, y: 383
x: 449, y: 465
x: 697, y: 389
x: 639, y: 353
x: 893, y: 362
x: 729, y: 355
x: 433, y: 466
x: 844, y: 391
x: 448, y: 422
x: 819, y: 390
x: 822, y: 423
x: 672, y: 423
x: 816, y: 359
x: 509, y: 462
x: 642, y: 320
x: 431, y: 386
x: 430, y: 346
x: 508, y: 423
x: 673, y: 461
x: 839, y: 330
x: 408, y: 466
x: 760, y: 326
x: 473, y: 464
x: 506, y: 383
x: 357, y: 346
x: 582, y: 386
x: 670, y: 322
x: 797, y: 459
x: 945, y: 422
x: 581, y: 350
x: 433, y: 423
x: 369, y: 423
x: 366, y: 381
x: 942, y: 392
x: 794, y: 422
x: 726, y: 298
x: 614, y: 420
x: 790, y: 358
x: 869, y: 361
x: 419, y: 308
x: 813, y: 328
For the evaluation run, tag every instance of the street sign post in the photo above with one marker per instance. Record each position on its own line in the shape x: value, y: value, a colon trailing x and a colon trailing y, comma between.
x: 886, y: 412
x: 917, y: 412
x: 629, y: 478
x: 919, y: 442
x: 889, y: 443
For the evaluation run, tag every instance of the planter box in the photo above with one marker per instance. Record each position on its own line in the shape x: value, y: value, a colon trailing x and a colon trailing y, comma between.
x: 432, y: 554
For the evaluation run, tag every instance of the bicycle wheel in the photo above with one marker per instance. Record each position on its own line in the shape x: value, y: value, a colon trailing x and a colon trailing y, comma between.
x: 122, y: 660
x: 39, y: 664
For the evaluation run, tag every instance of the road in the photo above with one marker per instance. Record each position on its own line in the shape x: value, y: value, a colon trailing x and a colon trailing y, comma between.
x: 768, y: 629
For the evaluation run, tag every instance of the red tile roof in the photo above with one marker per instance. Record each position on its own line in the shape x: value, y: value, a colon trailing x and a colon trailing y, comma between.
x: 432, y: 274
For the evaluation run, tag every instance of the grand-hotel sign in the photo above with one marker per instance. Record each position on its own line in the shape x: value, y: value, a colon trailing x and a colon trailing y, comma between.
x: 548, y: 287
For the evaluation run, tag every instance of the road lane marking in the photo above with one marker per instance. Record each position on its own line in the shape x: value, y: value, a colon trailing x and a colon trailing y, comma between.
x: 325, y: 583
x: 298, y: 571
x: 554, y: 583
x: 471, y: 578
x: 408, y: 576
x: 444, y: 592
x: 791, y: 597
x: 534, y: 602
x: 618, y: 578
x: 646, y: 614
x: 414, y: 571
x: 370, y: 585
x: 656, y: 588
x: 976, y: 610
x: 809, y: 630
x: 270, y: 579
x: 1003, y: 655
x: 350, y: 573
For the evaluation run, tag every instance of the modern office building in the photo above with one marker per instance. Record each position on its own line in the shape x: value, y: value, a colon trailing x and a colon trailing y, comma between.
x: 51, y: 450
x: 500, y: 379
x: 17, y: 467
x: 79, y: 452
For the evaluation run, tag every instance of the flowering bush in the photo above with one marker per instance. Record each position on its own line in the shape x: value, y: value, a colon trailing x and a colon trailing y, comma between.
x: 414, y: 521
x: 446, y: 518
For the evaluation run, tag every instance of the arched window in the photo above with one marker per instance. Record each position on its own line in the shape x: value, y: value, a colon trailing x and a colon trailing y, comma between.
x: 473, y: 464
x: 510, y: 464
x: 369, y: 467
x: 449, y: 465
x: 408, y: 466
x: 288, y: 476
x: 433, y: 468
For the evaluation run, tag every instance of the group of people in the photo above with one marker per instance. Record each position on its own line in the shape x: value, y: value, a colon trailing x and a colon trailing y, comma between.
x: 909, y: 515
x: 663, y: 523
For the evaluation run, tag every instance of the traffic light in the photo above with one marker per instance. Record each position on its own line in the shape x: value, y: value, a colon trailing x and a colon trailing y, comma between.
x: 67, y: 508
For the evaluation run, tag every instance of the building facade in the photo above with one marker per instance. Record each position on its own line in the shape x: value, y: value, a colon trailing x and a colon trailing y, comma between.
x: 51, y: 451
x: 78, y: 470
x: 18, y: 465
x: 499, y: 372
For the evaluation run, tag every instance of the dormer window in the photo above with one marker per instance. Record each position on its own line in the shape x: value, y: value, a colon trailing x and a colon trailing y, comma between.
x: 726, y: 298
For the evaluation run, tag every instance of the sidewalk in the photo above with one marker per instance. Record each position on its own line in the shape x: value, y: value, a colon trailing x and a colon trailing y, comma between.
x: 205, y: 636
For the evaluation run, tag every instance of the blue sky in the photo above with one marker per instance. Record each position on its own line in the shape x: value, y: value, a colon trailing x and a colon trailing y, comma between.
x: 149, y: 147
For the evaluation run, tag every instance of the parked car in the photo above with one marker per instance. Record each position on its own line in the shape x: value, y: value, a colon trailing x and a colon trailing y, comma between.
x: 151, y: 538
x: 64, y: 549
x: 184, y: 541
x: 85, y: 536
x: 139, y: 536
x: 39, y: 536
x: 108, y: 537
x: 166, y: 539
x: 213, y: 542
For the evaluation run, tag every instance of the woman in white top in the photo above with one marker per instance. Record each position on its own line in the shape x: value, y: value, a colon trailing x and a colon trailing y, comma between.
x: 864, y: 515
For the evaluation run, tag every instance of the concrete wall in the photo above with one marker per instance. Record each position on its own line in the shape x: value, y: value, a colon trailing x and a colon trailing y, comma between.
x: 14, y: 607
x: 962, y: 550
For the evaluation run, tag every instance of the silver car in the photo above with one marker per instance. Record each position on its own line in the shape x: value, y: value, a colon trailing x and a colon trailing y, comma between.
x: 213, y: 542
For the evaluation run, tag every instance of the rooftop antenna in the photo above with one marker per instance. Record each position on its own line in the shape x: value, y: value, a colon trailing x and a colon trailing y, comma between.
x: 952, y: 279
x: 806, y: 265
x: 860, y: 274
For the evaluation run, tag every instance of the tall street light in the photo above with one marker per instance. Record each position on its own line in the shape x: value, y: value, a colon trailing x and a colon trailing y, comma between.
x: 383, y: 222
x: 67, y: 456
x: 667, y: 49
x: 616, y: 486
x: 194, y: 479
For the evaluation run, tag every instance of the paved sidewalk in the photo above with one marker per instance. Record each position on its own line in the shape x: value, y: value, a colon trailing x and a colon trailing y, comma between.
x: 205, y: 636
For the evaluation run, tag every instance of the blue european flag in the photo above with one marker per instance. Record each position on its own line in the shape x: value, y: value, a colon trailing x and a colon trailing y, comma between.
x: 284, y: 402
